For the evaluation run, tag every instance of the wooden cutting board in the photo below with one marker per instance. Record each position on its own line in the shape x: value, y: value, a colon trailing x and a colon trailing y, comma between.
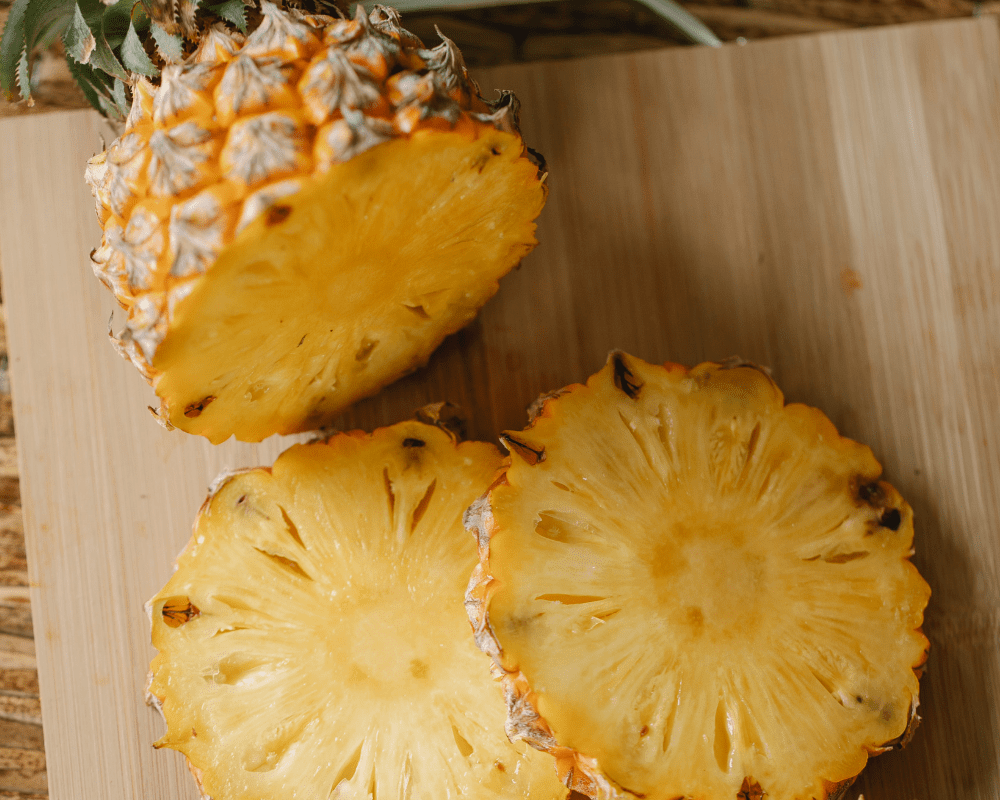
x: 828, y: 206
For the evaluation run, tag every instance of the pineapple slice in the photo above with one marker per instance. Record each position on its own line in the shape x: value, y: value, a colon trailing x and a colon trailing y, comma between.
x: 696, y: 591
x: 312, y: 642
x: 295, y: 219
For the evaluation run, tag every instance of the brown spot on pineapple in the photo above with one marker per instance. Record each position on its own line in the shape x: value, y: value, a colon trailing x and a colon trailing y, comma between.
x: 479, y: 162
x: 624, y: 379
x: 891, y: 519
x: 418, y: 669
x: 537, y: 408
x: 869, y: 493
x: 277, y: 214
x: 838, y: 791
x: 446, y: 416
x: 178, y: 610
x: 530, y: 454
x: 695, y: 618
x: 644, y: 730
x: 750, y: 790
x: 904, y: 738
x: 194, y: 409
x: 499, y: 766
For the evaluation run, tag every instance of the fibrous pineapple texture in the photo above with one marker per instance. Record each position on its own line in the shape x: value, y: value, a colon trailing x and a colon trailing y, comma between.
x: 313, y: 644
x: 696, y: 591
x: 295, y: 218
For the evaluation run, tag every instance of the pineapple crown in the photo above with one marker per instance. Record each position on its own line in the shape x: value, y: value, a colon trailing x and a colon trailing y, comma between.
x: 109, y: 43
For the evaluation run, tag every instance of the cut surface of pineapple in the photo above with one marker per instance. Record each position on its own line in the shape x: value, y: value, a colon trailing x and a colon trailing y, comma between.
x: 296, y: 218
x: 312, y: 642
x: 695, y: 590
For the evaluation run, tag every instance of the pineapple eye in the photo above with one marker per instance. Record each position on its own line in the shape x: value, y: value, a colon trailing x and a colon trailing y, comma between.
x: 623, y: 377
x: 178, y: 610
x: 531, y: 454
x: 891, y: 519
x: 193, y: 410
x: 277, y: 214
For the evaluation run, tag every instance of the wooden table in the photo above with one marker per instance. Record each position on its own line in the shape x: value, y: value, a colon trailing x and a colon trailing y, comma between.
x: 824, y: 205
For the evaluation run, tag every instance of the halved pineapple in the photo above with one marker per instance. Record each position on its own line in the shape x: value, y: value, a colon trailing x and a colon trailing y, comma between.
x: 696, y: 591
x: 312, y: 643
x: 296, y: 218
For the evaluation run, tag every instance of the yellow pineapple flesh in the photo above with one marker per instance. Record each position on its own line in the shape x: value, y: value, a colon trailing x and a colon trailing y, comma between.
x: 312, y: 642
x: 695, y: 590
x: 295, y: 219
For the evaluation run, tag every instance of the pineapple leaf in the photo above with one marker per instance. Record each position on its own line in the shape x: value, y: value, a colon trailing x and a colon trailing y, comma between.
x: 186, y: 12
x: 94, y: 87
x: 233, y: 12
x: 12, y: 46
x: 134, y: 55
x: 118, y: 95
x: 105, y: 60
x: 116, y: 21
x: 102, y: 20
x: 24, y: 75
x: 44, y: 20
x: 78, y: 39
x: 170, y: 45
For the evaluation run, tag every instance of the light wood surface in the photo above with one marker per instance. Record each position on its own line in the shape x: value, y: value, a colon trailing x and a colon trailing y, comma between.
x: 827, y: 206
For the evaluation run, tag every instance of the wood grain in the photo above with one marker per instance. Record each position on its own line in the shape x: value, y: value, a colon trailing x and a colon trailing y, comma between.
x: 20, y: 708
x: 822, y: 205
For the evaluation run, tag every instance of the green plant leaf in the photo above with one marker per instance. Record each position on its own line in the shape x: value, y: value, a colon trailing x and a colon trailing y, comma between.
x: 116, y: 21
x: 101, y: 19
x: 134, y: 55
x: 104, y: 59
x: 140, y: 18
x: 44, y: 20
x: 24, y: 75
x: 12, y: 46
x: 94, y: 87
x: 232, y: 11
x: 171, y: 46
x: 119, y: 97
x: 78, y: 39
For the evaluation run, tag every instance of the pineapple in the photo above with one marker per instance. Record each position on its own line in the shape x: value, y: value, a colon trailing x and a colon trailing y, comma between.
x: 696, y: 591
x: 295, y: 217
x: 312, y: 642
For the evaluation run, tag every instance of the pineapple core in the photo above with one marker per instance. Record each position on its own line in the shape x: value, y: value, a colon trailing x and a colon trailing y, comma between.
x: 348, y: 283
x: 698, y: 591
x: 312, y: 643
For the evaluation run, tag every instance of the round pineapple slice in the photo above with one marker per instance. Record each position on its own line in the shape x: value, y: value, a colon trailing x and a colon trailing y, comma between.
x: 295, y: 219
x: 312, y: 642
x: 696, y: 591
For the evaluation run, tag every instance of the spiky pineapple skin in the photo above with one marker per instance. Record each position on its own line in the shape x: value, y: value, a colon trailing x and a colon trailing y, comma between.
x: 233, y: 135
x: 526, y: 719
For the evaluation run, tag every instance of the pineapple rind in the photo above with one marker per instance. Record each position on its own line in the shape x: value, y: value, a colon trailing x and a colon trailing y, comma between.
x: 228, y: 142
x: 351, y: 320
x: 315, y: 646
x: 538, y: 463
